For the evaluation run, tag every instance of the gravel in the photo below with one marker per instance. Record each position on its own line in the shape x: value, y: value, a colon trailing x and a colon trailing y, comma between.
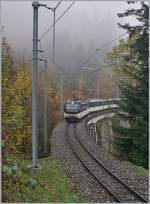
x: 81, y: 180
x: 134, y: 180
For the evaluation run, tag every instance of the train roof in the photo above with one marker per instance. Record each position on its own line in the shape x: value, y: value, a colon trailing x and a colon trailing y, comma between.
x: 102, y: 99
x: 97, y: 100
x: 72, y: 102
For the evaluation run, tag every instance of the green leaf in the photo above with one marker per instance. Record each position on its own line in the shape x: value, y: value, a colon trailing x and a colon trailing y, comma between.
x: 9, y: 172
x: 32, y: 183
x: 29, y: 167
x: 5, y: 168
x: 14, y: 169
x: 2, y: 143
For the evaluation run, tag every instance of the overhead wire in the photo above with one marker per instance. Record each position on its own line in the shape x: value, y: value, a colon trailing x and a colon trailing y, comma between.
x: 58, y: 4
x: 89, y: 58
x: 87, y: 75
x: 60, y: 68
x: 57, y: 65
x: 54, y: 15
x: 43, y: 59
x: 102, y: 66
x: 56, y: 21
x: 40, y: 44
x: 41, y: 49
x: 100, y: 48
x: 95, y: 51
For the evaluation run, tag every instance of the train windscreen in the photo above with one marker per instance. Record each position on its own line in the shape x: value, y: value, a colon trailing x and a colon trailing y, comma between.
x: 72, y: 107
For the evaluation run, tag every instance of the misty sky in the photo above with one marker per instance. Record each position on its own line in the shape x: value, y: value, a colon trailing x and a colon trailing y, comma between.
x: 85, y: 27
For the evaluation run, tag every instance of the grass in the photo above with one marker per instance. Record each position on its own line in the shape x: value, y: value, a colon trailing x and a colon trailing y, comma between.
x: 137, y: 169
x: 56, y: 184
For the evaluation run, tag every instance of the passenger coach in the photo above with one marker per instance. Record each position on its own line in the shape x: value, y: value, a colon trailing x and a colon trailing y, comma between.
x: 76, y: 110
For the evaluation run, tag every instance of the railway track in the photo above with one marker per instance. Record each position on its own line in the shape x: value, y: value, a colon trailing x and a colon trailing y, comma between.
x: 120, y: 191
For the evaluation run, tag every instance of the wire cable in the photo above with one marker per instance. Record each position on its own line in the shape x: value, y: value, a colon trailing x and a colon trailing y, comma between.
x: 41, y: 49
x: 43, y: 59
x: 87, y: 75
x: 56, y: 21
x: 97, y: 49
x: 57, y: 65
x: 58, y: 4
x: 100, y: 48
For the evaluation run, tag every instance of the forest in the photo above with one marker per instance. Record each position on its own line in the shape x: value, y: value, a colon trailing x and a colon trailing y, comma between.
x: 130, y: 74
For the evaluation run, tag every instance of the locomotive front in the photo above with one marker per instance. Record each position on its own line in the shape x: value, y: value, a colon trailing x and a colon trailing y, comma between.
x: 71, y: 110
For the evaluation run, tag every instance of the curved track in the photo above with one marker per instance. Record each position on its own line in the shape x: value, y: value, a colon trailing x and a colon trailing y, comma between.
x: 120, y: 191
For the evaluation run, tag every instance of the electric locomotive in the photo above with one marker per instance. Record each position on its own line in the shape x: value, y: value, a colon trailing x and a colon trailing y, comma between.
x: 76, y: 110
x: 73, y: 110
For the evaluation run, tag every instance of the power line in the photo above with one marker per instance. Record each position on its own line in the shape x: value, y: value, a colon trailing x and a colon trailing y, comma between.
x: 60, y: 68
x: 54, y: 15
x: 41, y: 60
x: 58, y: 4
x: 95, y: 65
x: 87, y: 75
x: 100, y: 48
x: 41, y: 49
x: 97, y: 49
x: 111, y: 41
x: 103, y: 67
x: 57, y: 65
x: 56, y: 21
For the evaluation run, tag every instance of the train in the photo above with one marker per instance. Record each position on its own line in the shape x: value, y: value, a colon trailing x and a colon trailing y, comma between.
x: 75, y: 110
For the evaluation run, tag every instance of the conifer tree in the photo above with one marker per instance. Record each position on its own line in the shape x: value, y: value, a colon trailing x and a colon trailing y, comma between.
x: 135, y: 90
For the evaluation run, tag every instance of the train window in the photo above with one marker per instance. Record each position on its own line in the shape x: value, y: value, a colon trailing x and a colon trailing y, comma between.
x: 72, y: 106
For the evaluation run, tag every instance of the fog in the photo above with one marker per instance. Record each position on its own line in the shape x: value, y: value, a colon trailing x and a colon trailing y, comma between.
x: 85, y: 27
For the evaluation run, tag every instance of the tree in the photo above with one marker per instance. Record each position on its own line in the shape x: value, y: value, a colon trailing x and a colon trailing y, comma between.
x: 22, y: 93
x: 12, y: 113
x: 106, y: 84
x: 132, y: 73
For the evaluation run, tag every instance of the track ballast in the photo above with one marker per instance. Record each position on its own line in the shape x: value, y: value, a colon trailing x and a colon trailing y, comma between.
x: 120, y: 191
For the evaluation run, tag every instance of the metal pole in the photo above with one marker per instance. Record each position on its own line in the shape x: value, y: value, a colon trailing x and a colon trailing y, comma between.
x: 95, y: 132
x: 111, y: 134
x: 79, y: 93
x: 34, y: 85
x: 45, y: 110
x: 62, y: 95
x: 118, y: 94
x: 54, y: 35
x: 97, y: 89
x: 1, y: 41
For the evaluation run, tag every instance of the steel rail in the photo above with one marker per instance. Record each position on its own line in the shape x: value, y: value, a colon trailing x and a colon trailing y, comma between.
x: 108, y: 171
x: 87, y: 168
